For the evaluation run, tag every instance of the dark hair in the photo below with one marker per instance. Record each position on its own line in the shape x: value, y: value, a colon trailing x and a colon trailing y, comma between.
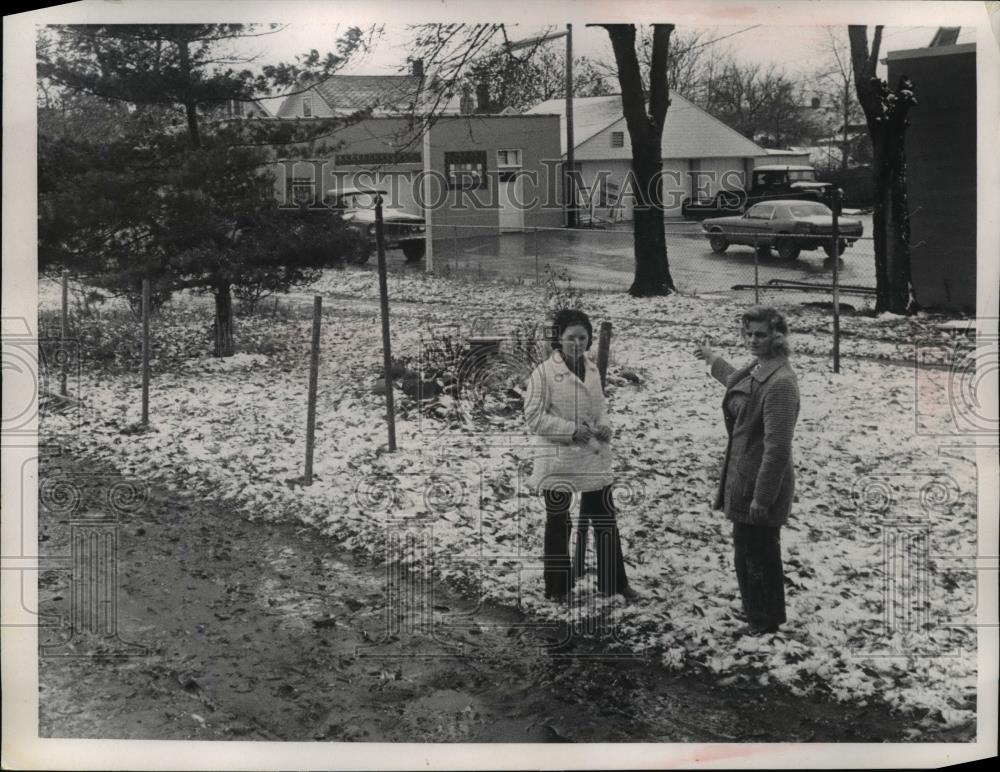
x: 776, y: 323
x: 565, y: 318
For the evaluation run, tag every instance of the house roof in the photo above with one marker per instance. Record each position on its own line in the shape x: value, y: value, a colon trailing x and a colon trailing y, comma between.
x: 690, y: 132
x: 384, y: 94
x: 927, y: 41
x: 358, y: 92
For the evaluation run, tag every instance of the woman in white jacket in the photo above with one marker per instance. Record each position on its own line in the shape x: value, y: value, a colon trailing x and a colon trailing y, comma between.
x: 565, y: 407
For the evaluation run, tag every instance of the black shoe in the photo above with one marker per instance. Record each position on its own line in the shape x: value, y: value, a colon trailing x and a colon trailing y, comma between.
x: 758, y: 630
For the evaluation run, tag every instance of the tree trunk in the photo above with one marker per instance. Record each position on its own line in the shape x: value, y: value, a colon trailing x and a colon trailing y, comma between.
x: 891, y: 219
x: 223, y: 327
x: 645, y: 128
x: 845, y: 147
x: 190, y: 108
x: 652, y: 270
x: 882, y: 204
x: 885, y: 112
x: 900, y: 286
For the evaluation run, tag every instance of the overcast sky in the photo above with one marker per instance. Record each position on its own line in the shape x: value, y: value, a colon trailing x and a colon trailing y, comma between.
x: 797, y: 49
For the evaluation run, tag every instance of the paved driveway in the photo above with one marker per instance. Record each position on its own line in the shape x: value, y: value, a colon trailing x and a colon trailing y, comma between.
x: 603, y: 259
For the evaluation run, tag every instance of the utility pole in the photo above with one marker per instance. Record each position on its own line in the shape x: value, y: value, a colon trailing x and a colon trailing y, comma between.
x: 570, y: 188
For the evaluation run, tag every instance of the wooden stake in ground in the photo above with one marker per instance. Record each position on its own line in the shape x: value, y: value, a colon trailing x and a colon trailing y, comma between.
x: 307, y: 477
x: 145, y: 352
x: 603, y: 348
x: 383, y: 296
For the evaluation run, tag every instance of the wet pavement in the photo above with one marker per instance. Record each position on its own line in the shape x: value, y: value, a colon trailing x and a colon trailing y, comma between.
x: 603, y: 259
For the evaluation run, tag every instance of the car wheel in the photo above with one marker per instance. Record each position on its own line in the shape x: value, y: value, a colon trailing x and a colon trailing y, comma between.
x: 718, y: 243
x: 414, y: 251
x: 788, y: 249
x: 842, y: 245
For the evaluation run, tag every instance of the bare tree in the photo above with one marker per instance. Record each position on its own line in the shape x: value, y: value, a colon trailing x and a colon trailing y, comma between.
x: 886, y: 114
x: 686, y: 61
x: 450, y: 52
x: 834, y: 82
x: 521, y: 82
x: 645, y: 119
x: 754, y: 100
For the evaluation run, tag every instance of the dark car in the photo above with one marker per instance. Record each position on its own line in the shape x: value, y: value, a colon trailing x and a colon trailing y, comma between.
x: 787, y: 225
x: 401, y: 230
x: 767, y: 183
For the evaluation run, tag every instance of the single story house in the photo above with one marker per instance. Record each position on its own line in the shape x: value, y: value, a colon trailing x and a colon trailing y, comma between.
x: 941, y: 167
x: 701, y: 154
x: 467, y: 173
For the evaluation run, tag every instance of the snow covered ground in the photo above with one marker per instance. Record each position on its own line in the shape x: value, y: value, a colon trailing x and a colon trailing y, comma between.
x: 881, y: 591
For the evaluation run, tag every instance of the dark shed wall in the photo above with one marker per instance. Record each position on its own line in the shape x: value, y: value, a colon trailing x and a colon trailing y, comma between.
x: 941, y: 157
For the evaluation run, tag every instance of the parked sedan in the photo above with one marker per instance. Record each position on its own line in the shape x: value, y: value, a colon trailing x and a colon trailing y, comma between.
x: 402, y: 230
x: 787, y: 225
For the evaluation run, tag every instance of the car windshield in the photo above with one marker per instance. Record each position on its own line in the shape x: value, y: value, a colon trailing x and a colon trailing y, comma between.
x: 807, y: 210
x: 802, y: 175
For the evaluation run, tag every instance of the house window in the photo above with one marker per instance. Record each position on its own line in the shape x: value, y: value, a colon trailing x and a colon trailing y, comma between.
x: 617, y: 139
x: 509, y: 158
x: 307, y: 107
x: 508, y: 164
x: 237, y: 108
x: 465, y: 169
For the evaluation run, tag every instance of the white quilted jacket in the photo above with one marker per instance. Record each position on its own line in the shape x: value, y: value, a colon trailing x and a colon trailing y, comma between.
x: 555, y: 402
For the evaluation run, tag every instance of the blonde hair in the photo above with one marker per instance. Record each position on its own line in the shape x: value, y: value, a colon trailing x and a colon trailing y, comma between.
x: 776, y: 324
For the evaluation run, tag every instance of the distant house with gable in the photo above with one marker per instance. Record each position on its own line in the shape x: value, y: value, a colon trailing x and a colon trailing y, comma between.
x: 469, y: 173
x: 380, y: 95
x: 698, y: 151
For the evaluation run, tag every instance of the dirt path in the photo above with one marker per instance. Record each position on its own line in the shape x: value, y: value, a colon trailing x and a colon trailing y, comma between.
x: 262, y: 630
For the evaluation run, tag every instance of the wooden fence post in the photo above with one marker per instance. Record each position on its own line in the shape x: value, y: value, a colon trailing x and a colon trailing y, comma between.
x: 603, y: 348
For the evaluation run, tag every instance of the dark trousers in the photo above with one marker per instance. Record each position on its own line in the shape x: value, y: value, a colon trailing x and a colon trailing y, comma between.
x: 760, y: 574
x: 597, y: 510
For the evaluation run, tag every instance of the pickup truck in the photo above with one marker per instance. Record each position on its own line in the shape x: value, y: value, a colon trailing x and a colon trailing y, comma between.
x: 769, y: 182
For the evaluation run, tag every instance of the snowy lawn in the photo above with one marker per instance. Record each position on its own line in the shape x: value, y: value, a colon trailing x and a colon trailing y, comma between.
x: 881, y: 594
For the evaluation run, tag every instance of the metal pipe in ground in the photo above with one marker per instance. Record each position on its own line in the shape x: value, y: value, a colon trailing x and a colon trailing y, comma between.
x: 64, y: 334
x: 146, y: 293
x: 383, y: 295
x: 756, y: 272
x: 835, y: 251
x: 307, y: 476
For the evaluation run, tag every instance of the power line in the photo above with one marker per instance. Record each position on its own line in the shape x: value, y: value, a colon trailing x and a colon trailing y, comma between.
x: 731, y: 34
